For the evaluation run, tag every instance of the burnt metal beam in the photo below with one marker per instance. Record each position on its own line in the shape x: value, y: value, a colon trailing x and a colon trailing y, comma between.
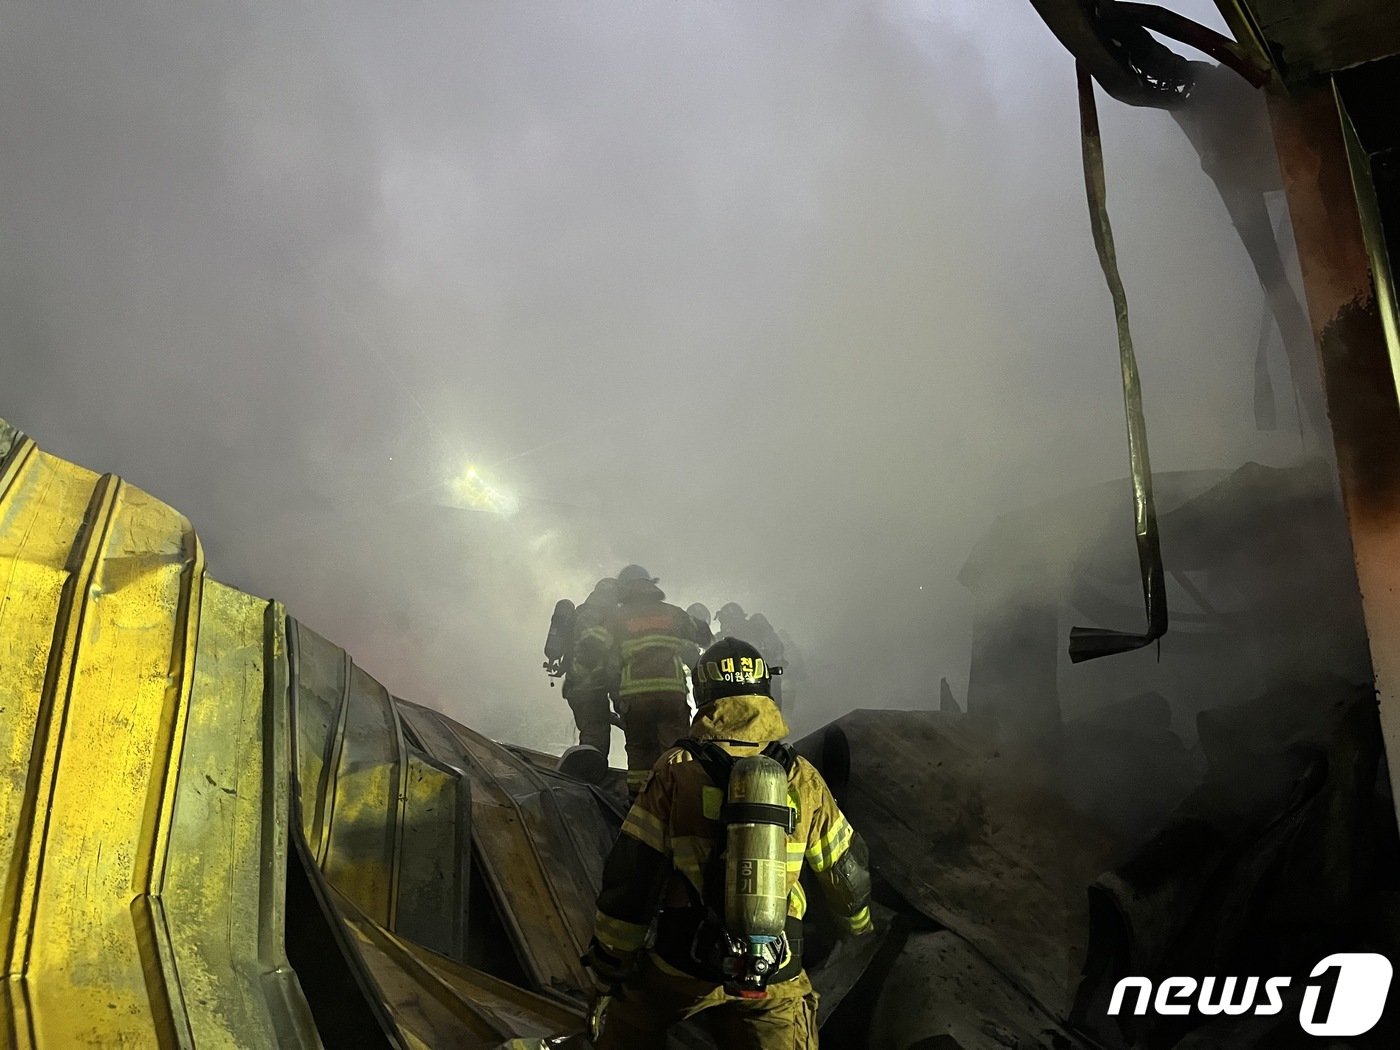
x: 1359, y: 375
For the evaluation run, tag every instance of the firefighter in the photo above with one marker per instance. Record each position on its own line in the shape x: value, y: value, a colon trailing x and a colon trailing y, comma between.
x: 701, y: 616
x: 650, y: 642
x: 759, y: 633
x: 731, y: 621
x: 591, y: 677
x: 686, y: 845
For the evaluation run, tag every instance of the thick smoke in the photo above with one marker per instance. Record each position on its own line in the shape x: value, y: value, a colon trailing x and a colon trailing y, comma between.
x: 788, y: 302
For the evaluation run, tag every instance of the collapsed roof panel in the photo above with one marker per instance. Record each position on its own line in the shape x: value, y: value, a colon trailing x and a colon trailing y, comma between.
x: 387, y: 824
x: 142, y: 814
x: 522, y: 854
x: 152, y: 822
x: 436, y: 1002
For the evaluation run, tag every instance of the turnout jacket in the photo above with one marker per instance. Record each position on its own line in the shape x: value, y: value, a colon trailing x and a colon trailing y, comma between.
x: 591, y: 669
x: 673, y: 829
x: 649, y: 640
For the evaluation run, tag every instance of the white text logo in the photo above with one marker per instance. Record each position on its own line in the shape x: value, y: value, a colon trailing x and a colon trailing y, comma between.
x: 1345, y: 995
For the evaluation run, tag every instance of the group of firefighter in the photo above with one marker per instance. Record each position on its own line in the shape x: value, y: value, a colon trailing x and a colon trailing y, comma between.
x: 701, y: 907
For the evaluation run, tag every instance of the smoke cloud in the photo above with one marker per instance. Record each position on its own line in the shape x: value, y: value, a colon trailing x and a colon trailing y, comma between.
x: 787, y: 302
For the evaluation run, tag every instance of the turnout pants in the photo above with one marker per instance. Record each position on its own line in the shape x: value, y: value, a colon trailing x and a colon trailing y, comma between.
x: 651, y: 722
x: 591, y: 711
x: 651, y: 1002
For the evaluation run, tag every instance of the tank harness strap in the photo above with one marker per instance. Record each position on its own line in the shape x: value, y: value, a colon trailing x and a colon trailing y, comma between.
x: 759, y: 813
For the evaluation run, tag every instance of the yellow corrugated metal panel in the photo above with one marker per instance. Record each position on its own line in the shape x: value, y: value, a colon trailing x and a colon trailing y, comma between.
x: 365, y: 798
x: 550, y: 834
x: 527, y: 859
x: 101, y: 604
x: 433, y: 867
x: 156, y: 724
x: 388, y: 827
x: 41, y: 510
x: 225, y: 915
x: 509, y: 1008
x: 320, y: 675
x: 96, y: 801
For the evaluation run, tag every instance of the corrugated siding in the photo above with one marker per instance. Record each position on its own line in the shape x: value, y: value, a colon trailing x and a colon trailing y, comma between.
x: 537, y: 878
x: 138, y: 897
x: 162, y: 731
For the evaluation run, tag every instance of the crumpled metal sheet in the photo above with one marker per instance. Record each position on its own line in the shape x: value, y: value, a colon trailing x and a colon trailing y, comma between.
x: 144, y: 886
x: 387, y: 825
x: 962, y: 833
x: 540, y: 839
x: 163, y: 731
x: 436, y: 1002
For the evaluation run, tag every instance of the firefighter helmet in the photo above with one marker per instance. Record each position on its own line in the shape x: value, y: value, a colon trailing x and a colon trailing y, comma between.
x: 604, y: 592
x: 730, y: 667
x: 632, y: 573
x: 730, y: 609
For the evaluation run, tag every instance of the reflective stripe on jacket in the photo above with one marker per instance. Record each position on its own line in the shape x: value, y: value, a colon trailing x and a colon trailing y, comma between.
x: 650, y: 640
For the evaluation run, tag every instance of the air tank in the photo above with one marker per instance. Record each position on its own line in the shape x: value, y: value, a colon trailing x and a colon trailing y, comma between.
x: 560, y: 641
x: 755, y: 897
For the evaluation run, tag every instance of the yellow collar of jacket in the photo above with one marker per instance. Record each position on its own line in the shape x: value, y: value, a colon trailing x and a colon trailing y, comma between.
x: 753, y: 719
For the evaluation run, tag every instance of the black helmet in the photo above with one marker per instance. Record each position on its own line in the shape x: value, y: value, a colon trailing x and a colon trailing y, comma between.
x: 630, y: 573
x: 604, y: 592
x: 730, y: 668
x: 699, y: 611
x: 729, y: 609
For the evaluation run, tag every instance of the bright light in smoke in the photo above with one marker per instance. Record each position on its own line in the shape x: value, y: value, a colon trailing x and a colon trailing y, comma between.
x: 476, y: 493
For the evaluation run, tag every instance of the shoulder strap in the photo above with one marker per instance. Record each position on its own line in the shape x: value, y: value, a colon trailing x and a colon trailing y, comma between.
x: 715, y: 760
x: 783, y: 754
x: 716, y: 763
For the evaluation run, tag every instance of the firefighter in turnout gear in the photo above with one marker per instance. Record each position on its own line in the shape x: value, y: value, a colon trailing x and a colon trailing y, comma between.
x: 758, y: 632
x: 712, y: 851
x: 650, y: 642
x: 731, y: 621
x: 591, y: 678
x: 701, y: 616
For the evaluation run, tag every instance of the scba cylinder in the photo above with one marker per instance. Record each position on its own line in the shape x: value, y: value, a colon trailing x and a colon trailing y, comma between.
x: 758, y: 818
